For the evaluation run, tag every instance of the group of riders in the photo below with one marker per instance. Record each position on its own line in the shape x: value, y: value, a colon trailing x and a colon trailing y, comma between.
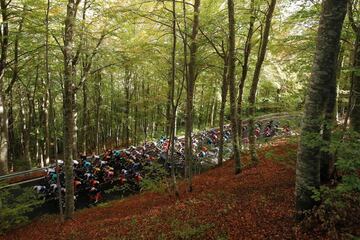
x: 127, y: 167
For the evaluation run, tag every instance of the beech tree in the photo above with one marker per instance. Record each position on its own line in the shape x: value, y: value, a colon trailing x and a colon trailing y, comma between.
x: 173, y: 107
x: 256, y: 78
x: 4, y: 138
x: 190, y: 84
x: 323, y: 74
x: 134, y: 84
x: 245, y: 66
x: 354, y: 110
x: 69, y: 104
x: 231, y: 78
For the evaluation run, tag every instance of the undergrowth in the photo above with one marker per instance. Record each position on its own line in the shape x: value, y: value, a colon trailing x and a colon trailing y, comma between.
x: 15, y: 205
x: 338, y: 211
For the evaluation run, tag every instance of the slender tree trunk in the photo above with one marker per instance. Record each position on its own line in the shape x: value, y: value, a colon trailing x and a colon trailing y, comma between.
x: 28, y: 128
x: 190, y: 85
x: 353, y: 57
x: 146, y: 91
x: 85, y: 118
x: 255, y: 82
x: 232, y: 88
x: 69, y: 105
x: 46, y: 126
x: 12, y: 144
x: 349, y: 104
x: 112, y: 109
x: 98, y: 104
x: 245, y: 65
x: 15, y: 74
x: 4, y: 138
x: 213, y: 110
x: 32, y: 123
x: 355, y: 93
x: 168, y: 108
x: 136, y: 112
x: 22, y: 123
x: 25, y: 120
x: 172, y: 115
x: 224, y: 90
x: 52, y: 125
x: 323, y: 75
x: 39, y: 129
x: 354, y: 100
x: 127, y: 106
x: 200, y: 113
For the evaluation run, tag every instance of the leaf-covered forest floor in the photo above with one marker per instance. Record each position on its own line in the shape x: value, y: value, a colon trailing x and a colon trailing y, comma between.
x: 257, y: 204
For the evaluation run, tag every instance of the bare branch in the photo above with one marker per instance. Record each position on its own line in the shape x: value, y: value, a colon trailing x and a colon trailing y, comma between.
x: 222, y: 55
x: 58, y: 43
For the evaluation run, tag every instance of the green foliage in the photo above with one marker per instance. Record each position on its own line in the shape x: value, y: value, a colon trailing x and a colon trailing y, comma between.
x: 123, y: 190
x: 337, y: 212
x: 15, y: 204
x: 155, y: 178
x: 348, y: 157
x: 339, y: 206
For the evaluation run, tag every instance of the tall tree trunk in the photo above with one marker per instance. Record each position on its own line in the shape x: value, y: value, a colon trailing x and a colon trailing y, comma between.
x: 40, y: 144
x: 86, y: 67
x: 69, y: 104
x: 46, y: 109
x: 4, y: 138
x: 224, y: 90
x: 112, y: 109
x: 98, y: 104
x: 354, y: 110
x: 231, y: 78
x: 354, y: 103
x: 255, y: 82
x: 28, y: 127
x: 25, y: 120
x: 12, y: 141
x: 245, y: 65
x: 52, y: 125
x: 32, y: 123
x: 168, y: 108
x: 323, y: 74
x: 85, y: 118
x: 15, y: 74
x: 213, y: 110
x: 127, y: 106
x: 172, y: 112
x: 136, y: 112
x: 146, y: 91
x: 190, y: 85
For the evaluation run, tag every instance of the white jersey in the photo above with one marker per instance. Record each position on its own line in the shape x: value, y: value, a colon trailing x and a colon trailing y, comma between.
x: 39, y: 188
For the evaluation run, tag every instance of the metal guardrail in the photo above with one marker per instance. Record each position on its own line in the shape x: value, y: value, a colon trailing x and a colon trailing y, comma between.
x: 23, y: 173
x: 29, y: 172
x: 22, y: 182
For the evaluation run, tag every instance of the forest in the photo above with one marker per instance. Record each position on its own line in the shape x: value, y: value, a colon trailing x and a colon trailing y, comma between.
x: 180, y: 119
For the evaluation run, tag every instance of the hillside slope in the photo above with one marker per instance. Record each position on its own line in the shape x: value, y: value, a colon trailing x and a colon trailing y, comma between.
x: 257, y: 204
